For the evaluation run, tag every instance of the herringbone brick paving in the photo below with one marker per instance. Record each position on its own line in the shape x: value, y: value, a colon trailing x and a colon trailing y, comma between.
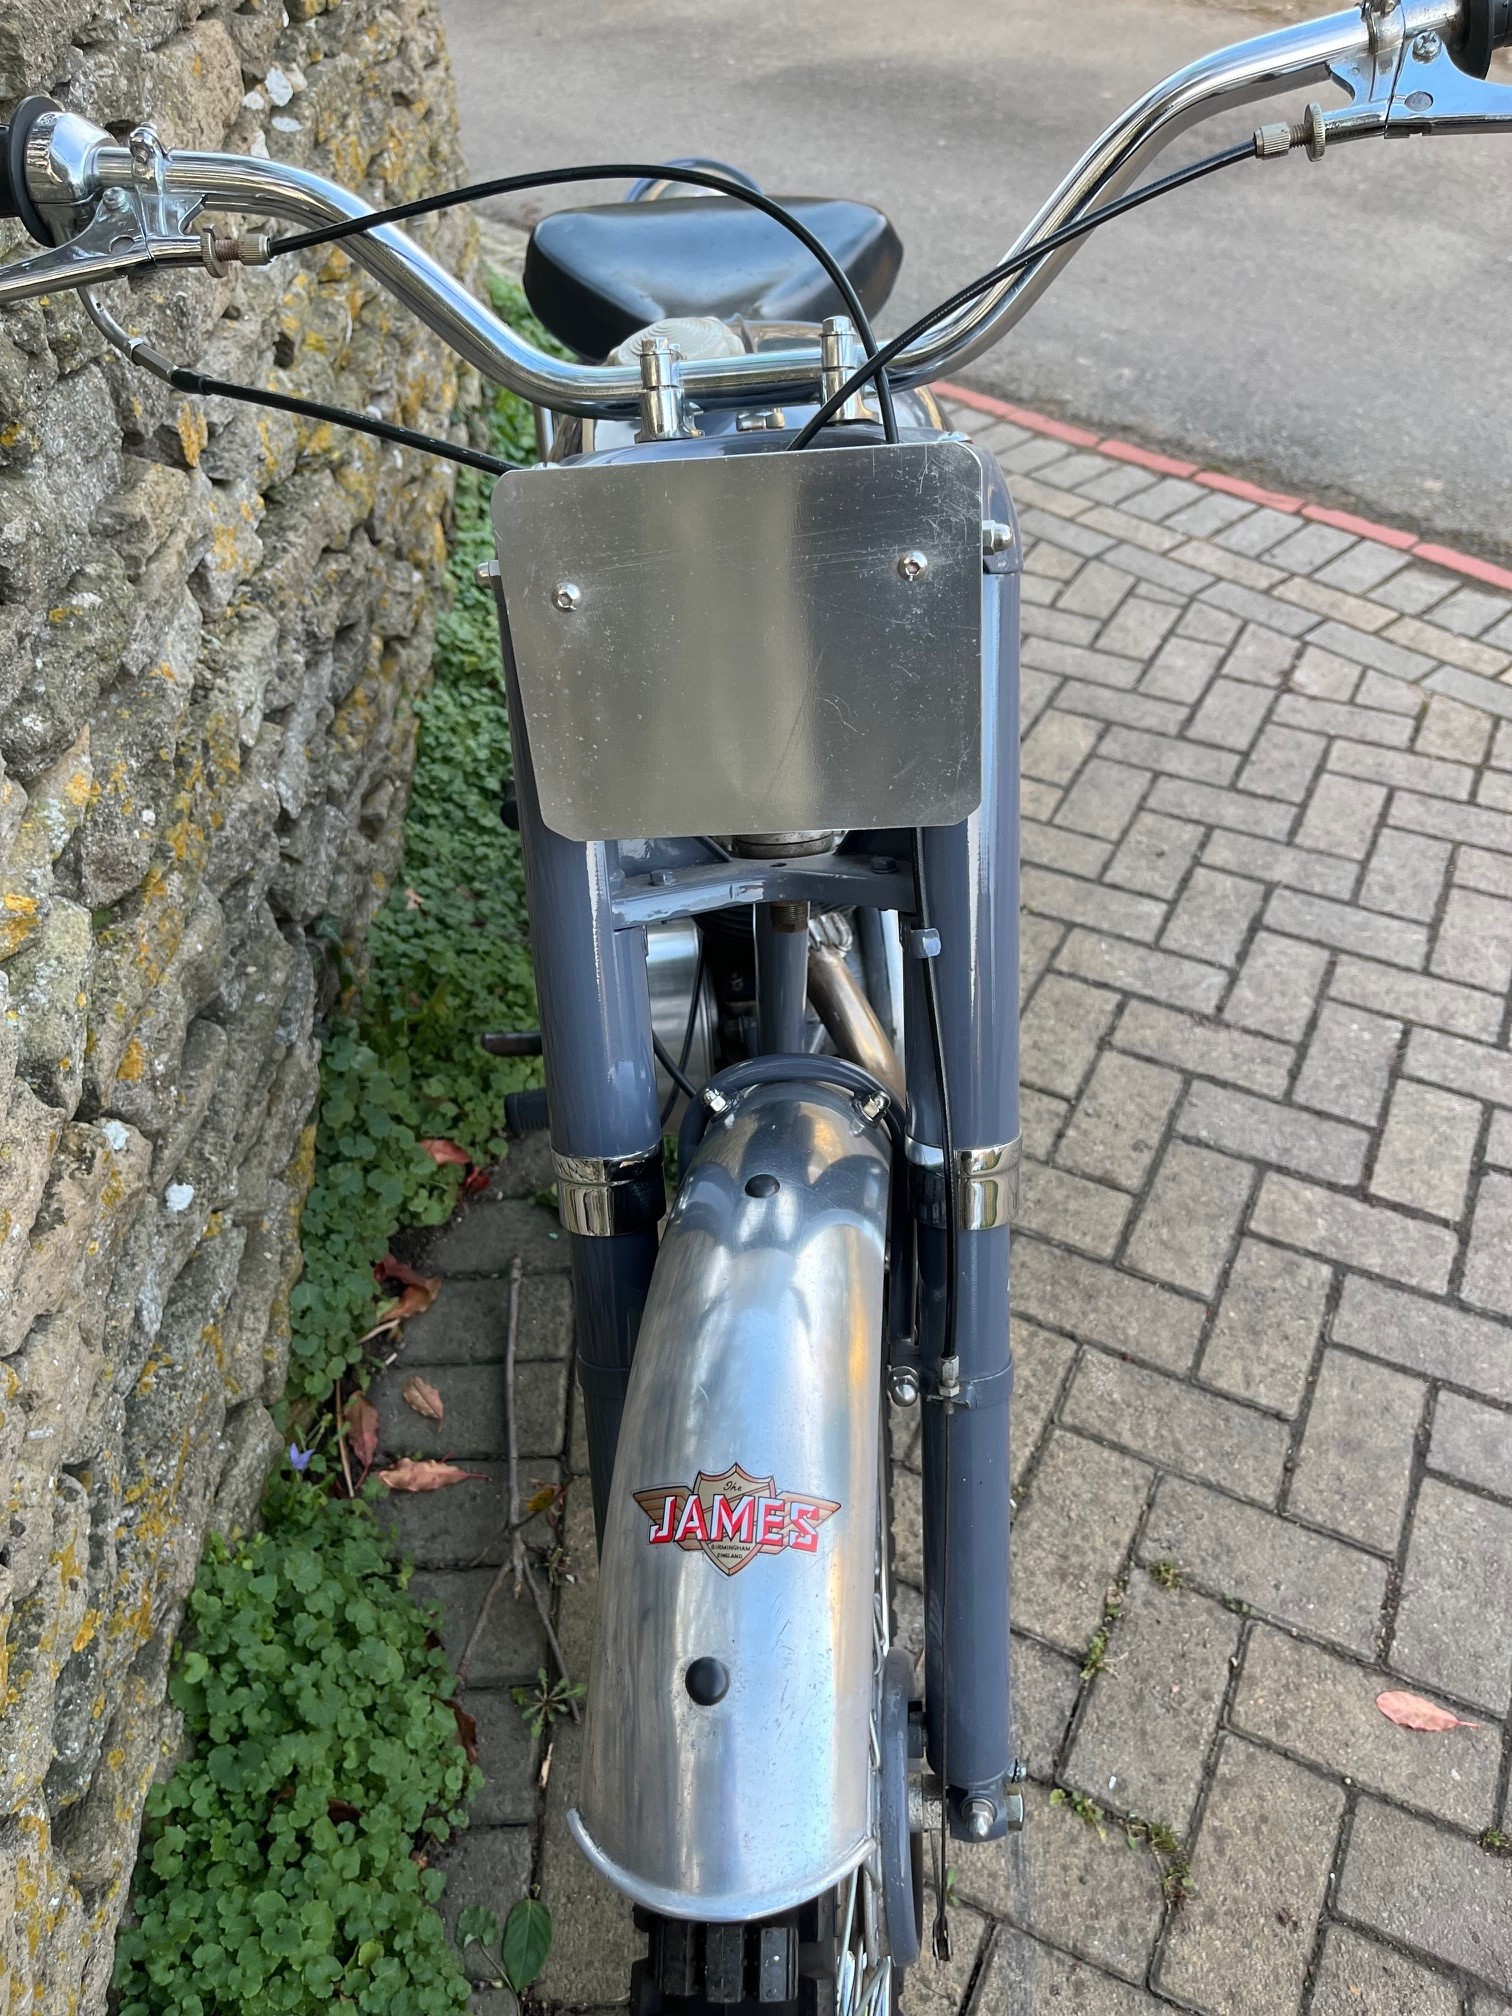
x: 1263, y: 1421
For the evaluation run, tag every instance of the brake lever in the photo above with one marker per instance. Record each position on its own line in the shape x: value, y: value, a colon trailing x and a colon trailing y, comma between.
x: 1433, y: 95
x: 1406, y: 84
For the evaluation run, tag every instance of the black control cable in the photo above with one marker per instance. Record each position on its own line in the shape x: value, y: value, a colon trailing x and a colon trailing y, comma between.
x: 929, y: 952
x: 874, y: 371
x: 1247, y: 150
x: 614, y: 171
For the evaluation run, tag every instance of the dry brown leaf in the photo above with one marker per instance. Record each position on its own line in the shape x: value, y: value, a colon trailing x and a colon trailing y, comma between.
x: 422, y: 1397
x: 1411, y: 1711
x: 467, y: 1731
x: 445, y: 1151
x: 539, y: 1501
x: 362, y: 1428
x: 408, y: 1475
x: 390, y: 1269
x: 412, y: 1302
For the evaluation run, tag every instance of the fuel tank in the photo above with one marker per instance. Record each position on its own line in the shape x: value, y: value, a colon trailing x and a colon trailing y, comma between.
x: 727, y: 1767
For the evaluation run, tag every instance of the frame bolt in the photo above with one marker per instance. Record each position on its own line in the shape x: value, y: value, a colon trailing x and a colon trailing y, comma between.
x: 997, y: 536
x: 903, y: 1386
x: 978, y: 1814
x: 1427, y: 47
x: 566, y: 595
x: 913, y: 566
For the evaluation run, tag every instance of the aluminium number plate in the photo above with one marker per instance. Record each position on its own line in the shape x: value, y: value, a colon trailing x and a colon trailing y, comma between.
x: 748, y: 643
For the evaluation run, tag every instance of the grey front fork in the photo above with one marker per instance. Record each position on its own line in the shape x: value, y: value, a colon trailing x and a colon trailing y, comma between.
x: 972, y: 872
x: 595, y: 1007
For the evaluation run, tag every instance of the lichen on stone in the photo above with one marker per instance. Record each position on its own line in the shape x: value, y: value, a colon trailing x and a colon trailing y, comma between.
x: 214, y: 625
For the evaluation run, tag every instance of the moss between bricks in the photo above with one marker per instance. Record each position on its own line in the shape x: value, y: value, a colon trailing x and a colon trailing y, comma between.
x: 283, y: 1867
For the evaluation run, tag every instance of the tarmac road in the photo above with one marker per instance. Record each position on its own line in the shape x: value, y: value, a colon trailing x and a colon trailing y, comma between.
x: 1342, y: 329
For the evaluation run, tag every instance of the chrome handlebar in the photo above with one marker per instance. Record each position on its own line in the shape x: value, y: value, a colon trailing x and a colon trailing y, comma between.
x: 116, y: 209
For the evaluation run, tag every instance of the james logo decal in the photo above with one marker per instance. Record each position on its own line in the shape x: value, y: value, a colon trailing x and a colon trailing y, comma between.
x: 734, y: 1517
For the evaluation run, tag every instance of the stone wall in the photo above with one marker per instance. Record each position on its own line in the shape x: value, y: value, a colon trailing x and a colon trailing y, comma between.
x: 213, y: 625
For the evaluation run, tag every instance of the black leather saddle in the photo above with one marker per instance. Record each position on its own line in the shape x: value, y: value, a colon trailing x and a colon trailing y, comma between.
x: 595, y: 276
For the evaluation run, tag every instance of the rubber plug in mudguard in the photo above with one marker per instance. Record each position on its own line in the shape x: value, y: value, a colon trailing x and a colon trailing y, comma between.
x: 15, y: 197
x: 1488, y: 26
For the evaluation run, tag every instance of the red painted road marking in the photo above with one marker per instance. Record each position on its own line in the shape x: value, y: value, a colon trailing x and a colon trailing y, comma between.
x: 1363, y: 528
x: 1232, y: 486
x: 1465, y: 563
x: 1252, y: 493
x: 1146, y: 458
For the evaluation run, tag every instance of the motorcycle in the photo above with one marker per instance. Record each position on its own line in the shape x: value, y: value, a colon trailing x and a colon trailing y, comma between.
x: 759, y: 616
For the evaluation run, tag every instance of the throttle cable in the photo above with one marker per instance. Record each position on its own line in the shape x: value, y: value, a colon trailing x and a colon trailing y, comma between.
x: 1247, y: 150
x: 614, y: 171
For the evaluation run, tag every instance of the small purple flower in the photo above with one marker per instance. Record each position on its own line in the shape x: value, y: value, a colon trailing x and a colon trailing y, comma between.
x: 300, y: 1458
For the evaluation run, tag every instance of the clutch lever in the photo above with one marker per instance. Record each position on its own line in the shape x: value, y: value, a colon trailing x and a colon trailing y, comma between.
x: 132, y: 225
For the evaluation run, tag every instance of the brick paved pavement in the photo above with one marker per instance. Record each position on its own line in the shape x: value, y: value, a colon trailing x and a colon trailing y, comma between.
x: 1263, y: 1427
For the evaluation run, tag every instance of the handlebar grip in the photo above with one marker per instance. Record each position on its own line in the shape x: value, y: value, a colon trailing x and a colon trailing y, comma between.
x: 1488, y: 26
x: 15, y: 197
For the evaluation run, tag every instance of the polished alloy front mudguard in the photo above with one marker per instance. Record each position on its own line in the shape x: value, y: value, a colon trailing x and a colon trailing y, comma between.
x: 727, y: 1773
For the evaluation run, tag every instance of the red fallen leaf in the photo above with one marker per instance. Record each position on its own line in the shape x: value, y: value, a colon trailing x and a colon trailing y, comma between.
x: 1411, y: 1711
x: 362, y: 1428
x: 446, y: 1151
x: 389, y: 1269
x: 422, y: 1398
x: 467, y: 1731
x: 408, y: 1475
x: 474, y: 1181
x: 411, y: 1303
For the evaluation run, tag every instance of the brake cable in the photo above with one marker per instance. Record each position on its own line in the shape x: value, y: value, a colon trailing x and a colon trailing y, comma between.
x: 1248, y: 150
x: 185, y: 379
x: 614, y: 171
x: 929, y: 951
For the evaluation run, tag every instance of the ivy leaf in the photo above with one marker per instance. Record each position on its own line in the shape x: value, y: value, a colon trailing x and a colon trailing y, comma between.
x: 362, y: 1428
x: 408, y: 1475
x: 527, y: 1941
x: 422, y: 1398
x: 477, y: 1922
x: 442, y: 1152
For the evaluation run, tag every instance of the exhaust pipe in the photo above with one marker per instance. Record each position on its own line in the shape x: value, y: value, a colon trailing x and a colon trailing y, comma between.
x: 849, y: 1018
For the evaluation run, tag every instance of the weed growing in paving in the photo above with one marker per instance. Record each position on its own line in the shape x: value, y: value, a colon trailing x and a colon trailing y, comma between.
x: 1097, y: 1652
x: 1495, y: 1842
x: 1172, y: 1860
x: 547, y: 1701
x: 448, y: 958
x: 1167, y: 1574
x: 283, y: 1865
x: 515, y: 1950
